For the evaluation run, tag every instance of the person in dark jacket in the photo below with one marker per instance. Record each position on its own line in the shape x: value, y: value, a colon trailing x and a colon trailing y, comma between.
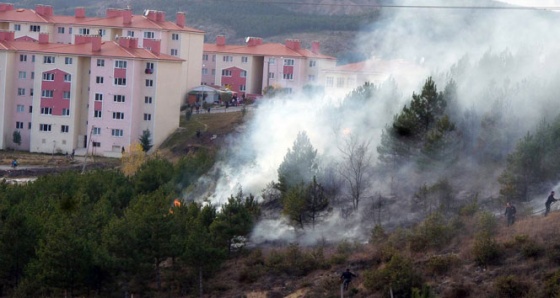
x: 549, y: 202
x: 510, y: 214
x: 347, y: 278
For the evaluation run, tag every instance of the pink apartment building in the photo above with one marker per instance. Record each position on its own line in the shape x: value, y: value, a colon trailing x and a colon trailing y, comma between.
x: 251, y: 67
x: 97, y: 90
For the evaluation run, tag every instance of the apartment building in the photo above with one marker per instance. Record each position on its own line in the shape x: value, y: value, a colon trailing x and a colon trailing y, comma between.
x: 95, y: 91
x: 252, y: 67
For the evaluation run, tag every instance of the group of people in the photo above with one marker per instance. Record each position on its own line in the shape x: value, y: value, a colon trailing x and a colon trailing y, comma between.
x: 511, y: 211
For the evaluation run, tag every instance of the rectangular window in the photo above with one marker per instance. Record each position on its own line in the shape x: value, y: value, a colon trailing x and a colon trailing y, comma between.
x: 227, y: 58
x: 101, y: 32
x: 205, y: 57
x: 67, y: 77
x: 34, y: 28
x: 46, y: 111
x: 174, y: 36
x: 243, y: 74
x: 64, y: 128
x: 22, y: 75
x: 312, y: 63
x: 271, y: 75
x: 288, y: 76
x: 31, y: 91
x: 96, y: 144
x: 68, y: 60
x: 96, y: 130
x: 48, y: 76
x: 48, y: 59
x: 118, y: 115
x: 118, y: 98
x: 120, y: 64
x: 149, y: 83
x: 148, y: 99
x: 120, y: 81
x: 204, y: 71
x: 130, y: 33
x: 99, y: 80
x: 17, y: 27
x: 100, y: 62
x: 272, y: 60
x: 20, y: 91
x: 33, y: 75
x: 61, y: 30
x: 23, y: 58
x: 97, y: 114
x: 288, y: 62
x: 70, y: 30
x: 149, y: 34
x: 44, y: 127
x: 29, y: 125
x: 213, y: 58
x: 311, y: 78
x: 150, y: 65
x: 213, y: 72
x: 47, y: 93
x: 147, y: 117
x: 244, y: 59
x: 174, y: 52
x: 241, y: 87
x: 66, y: 94
x: 19, y: 125
x: 98, y: 97
x: 117, y: 132
x: 30, y: 109
x: 330, y: 81
x: 20, y: 108
x: 83, y: 31
x: 226, y: 73
x: 340, y: 82
x: 65, y: 112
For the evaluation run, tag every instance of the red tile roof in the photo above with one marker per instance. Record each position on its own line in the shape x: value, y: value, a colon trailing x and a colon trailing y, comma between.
x: 108, y: 49
x: 266, y: 49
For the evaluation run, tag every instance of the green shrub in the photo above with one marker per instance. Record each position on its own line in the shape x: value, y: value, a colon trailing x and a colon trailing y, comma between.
x: 553, y: 253
x: 293, y: 261
x: 552, y: 285
x: 398, y: 275
x: 442, y: 264
x: 532, y: 249
x: 471, y: 208
x: 510, y: 286
x: 431, y: 233
x: 378, y: 234
x: 487, y: 223
x: 486, y: 250
x: 425, y: 292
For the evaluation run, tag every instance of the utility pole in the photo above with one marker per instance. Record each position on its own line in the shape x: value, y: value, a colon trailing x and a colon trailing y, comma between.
x: 87, y: 146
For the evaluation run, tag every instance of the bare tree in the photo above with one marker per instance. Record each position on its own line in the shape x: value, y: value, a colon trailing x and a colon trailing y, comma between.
x: 355, y: 166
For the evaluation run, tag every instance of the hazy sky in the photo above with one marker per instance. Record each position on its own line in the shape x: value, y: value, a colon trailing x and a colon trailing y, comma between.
x: 540, y: 3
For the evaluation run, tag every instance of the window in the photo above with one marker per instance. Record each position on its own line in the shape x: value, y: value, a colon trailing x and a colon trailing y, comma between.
x: 147, y: 117
x: 33, y: 75
x: 67, y: 77
x: 23, y: 58
x: 271, y: 75
x: 20, y: 108
x: 118, y: 98
x: 288, y: 76
x: 120, y: 64
x: 98, y: 97
x: 48, y: 76
x: 96, y: 144
x: 47, y: 93
x: 330, y: 81
x: 204, y: 71
x: 244, y: 59
x: 243, y: 74
x: 70, y: 30
x: 22, y: 75
x: 340, y: 82
x: 174, y: 52
x: 311, y: 78
x: 31, y: 91
x: 226, y: 73
x: 213, y: 58
x: 213, y: 72
x: 100, y: 62
x: 61, y: 30
x: 65, y: 112
x: 48, y: 59
x: 64, y: 128
x: 19, y: 125
x: 149, y: 34
x: 312, y: 63
x: 83, y: 31
x: 30, y: 109
x: 150, y: 65
x: 96, y: 130
x: 99, y: 80
x: 149, y: 83
x: 120, y: 81
x: 101, y: 32
x: 97, y: 114
x: 117, y: 132
x: 34, y: 28
x: 68, y: 60
x: 205, y: 57
x: 29, y: 125
x: 288, y: 62
x: 148, y: 99
x: 241, y: 87
x: 130, y: 33
x: 46, y: 111
x: 33, y: 58
x: 174, y: 36
x: 20, y: 91
x: 17, y: 27
x: 118, y: 115
x: 271, y: 60
x: 227, y: 58
x: 44, y: 127
x: 66, y: 94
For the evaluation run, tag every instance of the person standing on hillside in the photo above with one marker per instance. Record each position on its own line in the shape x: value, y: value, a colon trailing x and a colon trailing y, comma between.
x: 346, y: 278
x: 510, y: 213
x: 549, y: 202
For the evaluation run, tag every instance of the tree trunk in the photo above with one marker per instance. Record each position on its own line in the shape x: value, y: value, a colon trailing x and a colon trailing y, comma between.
x: 200, y: 281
